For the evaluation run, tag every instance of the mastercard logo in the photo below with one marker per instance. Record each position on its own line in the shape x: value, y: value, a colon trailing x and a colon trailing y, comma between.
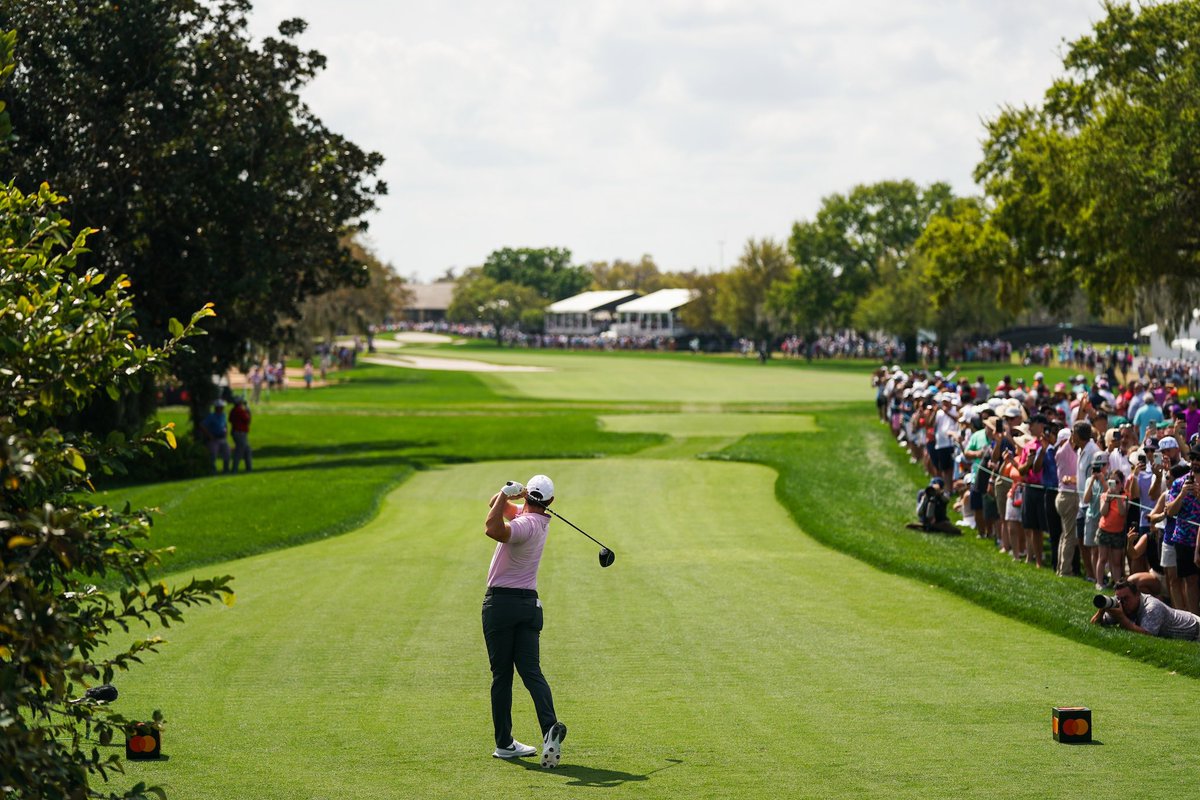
x: 142, y: 744
x: 1071, y: 727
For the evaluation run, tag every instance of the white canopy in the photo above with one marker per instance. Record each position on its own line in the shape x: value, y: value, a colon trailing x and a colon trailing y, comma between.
x: 660, y: 302
x: 588, y: 301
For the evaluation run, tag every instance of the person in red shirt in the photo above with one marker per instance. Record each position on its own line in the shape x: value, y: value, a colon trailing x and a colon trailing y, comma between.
x: 239, y: 423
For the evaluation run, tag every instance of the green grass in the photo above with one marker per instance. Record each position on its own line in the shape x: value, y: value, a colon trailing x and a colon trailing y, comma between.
x: 667, y: 378
x: 725, y: 654
x: 768, y: 629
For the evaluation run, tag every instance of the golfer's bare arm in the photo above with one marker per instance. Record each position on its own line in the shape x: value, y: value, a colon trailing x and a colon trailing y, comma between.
x: 501, y: 511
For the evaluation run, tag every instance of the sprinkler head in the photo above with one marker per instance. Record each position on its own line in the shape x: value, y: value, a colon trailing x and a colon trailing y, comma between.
x: 606, y: 557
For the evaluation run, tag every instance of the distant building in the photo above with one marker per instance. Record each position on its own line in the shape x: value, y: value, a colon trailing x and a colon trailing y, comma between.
x: 429, y: 301
x: 585, y: 314
x: 656, y: 314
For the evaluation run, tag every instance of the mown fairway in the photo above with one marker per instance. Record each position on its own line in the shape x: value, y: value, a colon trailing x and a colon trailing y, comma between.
x: 724, y: 654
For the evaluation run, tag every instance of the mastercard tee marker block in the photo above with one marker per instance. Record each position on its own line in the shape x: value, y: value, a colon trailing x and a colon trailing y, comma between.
x: 142, y: 742
x: 1072, y: 725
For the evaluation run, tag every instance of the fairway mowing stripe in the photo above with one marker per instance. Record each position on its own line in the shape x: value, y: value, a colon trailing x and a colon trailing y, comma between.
x: 722, y: 637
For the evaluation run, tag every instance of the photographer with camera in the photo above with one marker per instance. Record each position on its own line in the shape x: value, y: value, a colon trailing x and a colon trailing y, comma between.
x: 1142, y: 613
x: 932, y: 502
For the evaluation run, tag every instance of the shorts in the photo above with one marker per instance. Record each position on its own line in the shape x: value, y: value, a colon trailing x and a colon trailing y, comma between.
x: 1033, y: 510
x: 1090, y: 527
x: 1114, y: 540
x: 943, y: 458
x: 1000, y: 489
x: 1185, y: 560
x: 1166, y: 555
x: 976, y: 499
x: 990, y: 511
x: 1012, y: 513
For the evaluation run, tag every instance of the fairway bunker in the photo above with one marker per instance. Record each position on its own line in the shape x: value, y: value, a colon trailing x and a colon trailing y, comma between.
x: 606, y: 556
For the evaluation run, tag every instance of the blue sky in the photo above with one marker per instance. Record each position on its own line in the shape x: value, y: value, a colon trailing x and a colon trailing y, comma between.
x: 617, y: 128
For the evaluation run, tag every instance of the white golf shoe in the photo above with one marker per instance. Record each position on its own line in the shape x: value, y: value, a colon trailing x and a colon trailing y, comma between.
x: 514, y: 750
x: 552, y: 745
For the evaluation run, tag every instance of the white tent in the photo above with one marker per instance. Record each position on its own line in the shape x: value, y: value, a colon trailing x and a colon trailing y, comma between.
x: 584, y: 314
x: 656, y: 314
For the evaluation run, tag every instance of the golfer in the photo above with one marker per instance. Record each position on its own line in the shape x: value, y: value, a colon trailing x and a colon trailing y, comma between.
x: 512, y: 614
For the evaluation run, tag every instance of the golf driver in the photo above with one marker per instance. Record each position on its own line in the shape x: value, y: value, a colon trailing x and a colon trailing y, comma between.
x: 513, y: 488
x: 606, y: 556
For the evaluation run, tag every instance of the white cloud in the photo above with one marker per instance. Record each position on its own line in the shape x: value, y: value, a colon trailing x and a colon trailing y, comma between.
x: 618, y: 128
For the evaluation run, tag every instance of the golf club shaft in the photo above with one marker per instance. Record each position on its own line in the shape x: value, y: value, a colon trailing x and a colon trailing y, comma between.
x: 576, y: 527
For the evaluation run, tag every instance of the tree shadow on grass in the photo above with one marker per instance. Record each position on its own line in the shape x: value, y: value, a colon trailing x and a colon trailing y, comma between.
x: 594, y: 777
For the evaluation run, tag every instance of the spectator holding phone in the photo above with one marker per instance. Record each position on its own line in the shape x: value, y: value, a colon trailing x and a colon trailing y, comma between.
x: 1112, y: 539
x: 1183, y: 503
x: 1092, y: 502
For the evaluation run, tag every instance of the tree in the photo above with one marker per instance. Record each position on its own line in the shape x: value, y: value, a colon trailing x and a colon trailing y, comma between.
x: 851, y: 235
x: 479, y: 298
x: 643, y: 276
x: 187, y: 145
x: 741, y: 304
x: 66, y: 333
x: 700, y: 315
x: 353, y: 309
x: 547, y: 270
x: 963, y: 265
x: 1096, y: 187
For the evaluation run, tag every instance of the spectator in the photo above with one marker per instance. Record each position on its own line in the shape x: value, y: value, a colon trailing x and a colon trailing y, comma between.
x: 1030, y: 461
x: 1112, y: 539
x: 1066, y: 504
x: 1148, y: 414
x: 239, y: 423
x: 1183, y: 503
x: 1092, y: 502
x: 308, y: 374
x: 945, y: 427
x: 214, y: 430
x: 1142, y: 613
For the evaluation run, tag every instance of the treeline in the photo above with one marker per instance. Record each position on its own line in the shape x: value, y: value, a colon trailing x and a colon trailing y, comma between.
x: 1089, y: 207
x: 184, y: 145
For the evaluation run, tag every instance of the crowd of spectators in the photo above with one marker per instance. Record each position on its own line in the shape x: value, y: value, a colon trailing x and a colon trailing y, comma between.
x: 1090, y: 477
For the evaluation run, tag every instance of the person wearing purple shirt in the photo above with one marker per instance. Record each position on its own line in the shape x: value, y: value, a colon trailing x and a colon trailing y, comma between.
x: 512, y: 614
x: 1183, y: 503
x: 1191, y: 416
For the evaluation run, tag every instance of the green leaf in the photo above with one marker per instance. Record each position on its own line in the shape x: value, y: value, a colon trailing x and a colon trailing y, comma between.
x: 176, y: 327
x: 113, y: 391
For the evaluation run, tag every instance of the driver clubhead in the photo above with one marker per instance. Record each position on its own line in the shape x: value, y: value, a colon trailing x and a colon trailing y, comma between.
x: 606, y: 557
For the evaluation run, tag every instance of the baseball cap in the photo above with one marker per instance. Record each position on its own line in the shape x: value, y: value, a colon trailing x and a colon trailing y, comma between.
x: 1167, y: 441
x: 219, y: 403
x: 1037, y: 376
x: 540, y: 489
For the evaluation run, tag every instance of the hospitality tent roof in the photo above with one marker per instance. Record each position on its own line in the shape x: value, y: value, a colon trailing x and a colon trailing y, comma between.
x: 589, y: 301
x: 659, y: 302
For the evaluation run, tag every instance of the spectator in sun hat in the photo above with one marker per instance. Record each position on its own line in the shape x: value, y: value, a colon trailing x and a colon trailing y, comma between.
x: 945, y: 427
x: 1030, y: 463
x: 1062, y: 404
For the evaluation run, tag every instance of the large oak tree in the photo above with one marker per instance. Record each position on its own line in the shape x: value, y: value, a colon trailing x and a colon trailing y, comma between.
x: 186, y: 144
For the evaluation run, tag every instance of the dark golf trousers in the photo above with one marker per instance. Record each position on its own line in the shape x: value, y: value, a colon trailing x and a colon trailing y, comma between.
x: 512, y: 627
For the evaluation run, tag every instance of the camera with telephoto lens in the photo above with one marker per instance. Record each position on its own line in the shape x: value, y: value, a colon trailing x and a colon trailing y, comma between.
x: 1104, y: 602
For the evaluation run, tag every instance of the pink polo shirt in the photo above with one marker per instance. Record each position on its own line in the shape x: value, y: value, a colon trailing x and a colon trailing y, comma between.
x: 515, y: 562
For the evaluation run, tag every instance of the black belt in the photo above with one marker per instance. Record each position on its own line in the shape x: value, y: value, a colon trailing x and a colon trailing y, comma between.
x: 491, y: 590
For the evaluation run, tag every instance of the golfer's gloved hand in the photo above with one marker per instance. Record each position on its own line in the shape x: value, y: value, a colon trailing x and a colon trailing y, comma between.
x: 512, y: 489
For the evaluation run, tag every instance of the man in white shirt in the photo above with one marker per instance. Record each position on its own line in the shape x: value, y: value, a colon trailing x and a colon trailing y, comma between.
x: 1082, y: 439
x: 945, y: 428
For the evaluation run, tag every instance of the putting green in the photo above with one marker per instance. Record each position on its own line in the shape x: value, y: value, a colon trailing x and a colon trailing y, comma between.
x: 621, y: 378
x: 724, y: 654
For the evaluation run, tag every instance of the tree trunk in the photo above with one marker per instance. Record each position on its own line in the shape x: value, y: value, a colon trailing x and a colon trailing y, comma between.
x: 910, y: 349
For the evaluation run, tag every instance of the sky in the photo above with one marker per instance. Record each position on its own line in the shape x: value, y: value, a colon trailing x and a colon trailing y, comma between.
x: 674, y: 128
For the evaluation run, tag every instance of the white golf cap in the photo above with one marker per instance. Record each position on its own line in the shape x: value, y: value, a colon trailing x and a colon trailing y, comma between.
x: 540, y: 488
